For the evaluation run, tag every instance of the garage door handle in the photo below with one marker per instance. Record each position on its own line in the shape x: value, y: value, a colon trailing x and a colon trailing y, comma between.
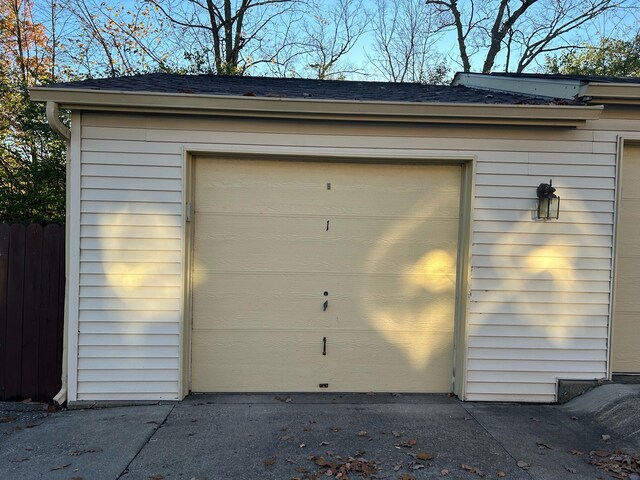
x: 324, y: 345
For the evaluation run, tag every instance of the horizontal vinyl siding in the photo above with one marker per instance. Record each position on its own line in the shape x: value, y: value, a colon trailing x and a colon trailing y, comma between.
x: 130, y: 273
x: 539, y: 291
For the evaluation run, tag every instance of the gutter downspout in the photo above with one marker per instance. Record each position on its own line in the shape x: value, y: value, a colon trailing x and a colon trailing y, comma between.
x: 53, y: 118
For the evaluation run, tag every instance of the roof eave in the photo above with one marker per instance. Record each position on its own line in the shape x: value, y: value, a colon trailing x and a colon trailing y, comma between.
x: 616, y: 93
x: 336, y: 110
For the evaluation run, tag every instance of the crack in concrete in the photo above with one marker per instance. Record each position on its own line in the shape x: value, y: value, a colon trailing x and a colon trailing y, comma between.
x: 515, y: 460
x: 125, y: 471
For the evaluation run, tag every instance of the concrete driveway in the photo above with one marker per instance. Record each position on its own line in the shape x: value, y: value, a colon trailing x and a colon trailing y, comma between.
x: 319, y: 436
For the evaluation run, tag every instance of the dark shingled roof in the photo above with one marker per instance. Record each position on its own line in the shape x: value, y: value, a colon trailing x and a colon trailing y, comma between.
x: 300, y: 88
x: 578, y: 78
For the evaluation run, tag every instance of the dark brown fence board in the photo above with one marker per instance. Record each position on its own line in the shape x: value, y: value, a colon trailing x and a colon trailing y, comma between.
x: 4, y: 272
x: 32, y: 283
x: 48, y: 373
x: 15, y: 302
x: 31, y: 310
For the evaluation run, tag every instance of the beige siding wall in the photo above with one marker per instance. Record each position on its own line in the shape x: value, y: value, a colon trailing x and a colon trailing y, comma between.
x: 539, y: 291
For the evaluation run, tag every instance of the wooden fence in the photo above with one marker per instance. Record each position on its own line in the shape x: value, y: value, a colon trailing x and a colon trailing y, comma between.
x: 31, y: 310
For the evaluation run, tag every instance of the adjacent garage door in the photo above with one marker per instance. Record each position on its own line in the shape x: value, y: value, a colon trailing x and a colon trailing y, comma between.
x: 625, y: 354
x: 323, y: 276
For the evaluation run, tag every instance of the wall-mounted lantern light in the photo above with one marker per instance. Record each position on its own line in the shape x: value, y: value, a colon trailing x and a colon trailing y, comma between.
x: 548, y: 201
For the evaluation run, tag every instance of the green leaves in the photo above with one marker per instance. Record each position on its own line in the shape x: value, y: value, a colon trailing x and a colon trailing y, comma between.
x: 612, y: 56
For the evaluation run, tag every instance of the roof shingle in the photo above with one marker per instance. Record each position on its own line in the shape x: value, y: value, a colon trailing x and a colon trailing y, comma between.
x: 300, y: 89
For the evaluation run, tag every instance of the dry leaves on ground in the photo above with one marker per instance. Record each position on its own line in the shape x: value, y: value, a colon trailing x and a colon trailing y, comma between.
x: 270, y: 461
x: 618, y: 464
x: 342, y: 468
x: 523, y: 465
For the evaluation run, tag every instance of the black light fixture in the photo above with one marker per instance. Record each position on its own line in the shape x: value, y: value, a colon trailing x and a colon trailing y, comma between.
x: 548, y: 201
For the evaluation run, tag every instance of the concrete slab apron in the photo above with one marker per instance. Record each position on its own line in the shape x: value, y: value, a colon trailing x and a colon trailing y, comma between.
x: 87, y: 444
x: 553, y: 441
x: 213, y: 439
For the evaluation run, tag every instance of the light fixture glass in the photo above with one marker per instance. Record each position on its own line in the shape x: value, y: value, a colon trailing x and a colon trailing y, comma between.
x: 548, y: 201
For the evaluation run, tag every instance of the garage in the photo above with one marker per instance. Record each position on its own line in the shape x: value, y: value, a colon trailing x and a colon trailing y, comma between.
x: 311, y: 276
x: 625, y: 356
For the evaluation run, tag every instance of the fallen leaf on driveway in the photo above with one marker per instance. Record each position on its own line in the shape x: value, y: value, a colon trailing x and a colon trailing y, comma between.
x: 75, y: 453
x: 60, y: 467
x: 471, y: 469
x: 574, y: 418
x: 362, y: 433
x: 270, y: 461
x: 371, y: 394
x: 424, y: 456
x: 157, y: 476
x: 606, y: 437
x: 283, y: 399
x: 397, y: 466
x: 407, y: 476
x: 322, y: 444
x: 523, y: 465
x: 570, y: 470
x: 444, y: 472
x: 543, y: 445
x: 334, y: 429
x: 396, y: 394
x: 573, y: 451
x: 290, y: 460
x: 408, y: 443
x: 7, y: 419
x: 396, y: 434
x: 501, y: 474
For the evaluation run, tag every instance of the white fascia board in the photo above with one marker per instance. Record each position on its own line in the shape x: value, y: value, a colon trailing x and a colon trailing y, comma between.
x: 619, y: 93
x: 541, y: 87
x: 336, y: 110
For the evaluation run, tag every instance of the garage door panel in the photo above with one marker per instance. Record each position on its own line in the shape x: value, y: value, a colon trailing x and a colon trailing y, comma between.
x: 287, y: 244
x: 263, y: 258
x: 625, y: 351
x: 625, y: 355
x: 355, y: 362
x: 265, y: 188
x: 354, y: 303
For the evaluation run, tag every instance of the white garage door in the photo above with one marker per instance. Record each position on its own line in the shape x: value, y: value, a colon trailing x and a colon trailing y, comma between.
x: 323, y: 276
